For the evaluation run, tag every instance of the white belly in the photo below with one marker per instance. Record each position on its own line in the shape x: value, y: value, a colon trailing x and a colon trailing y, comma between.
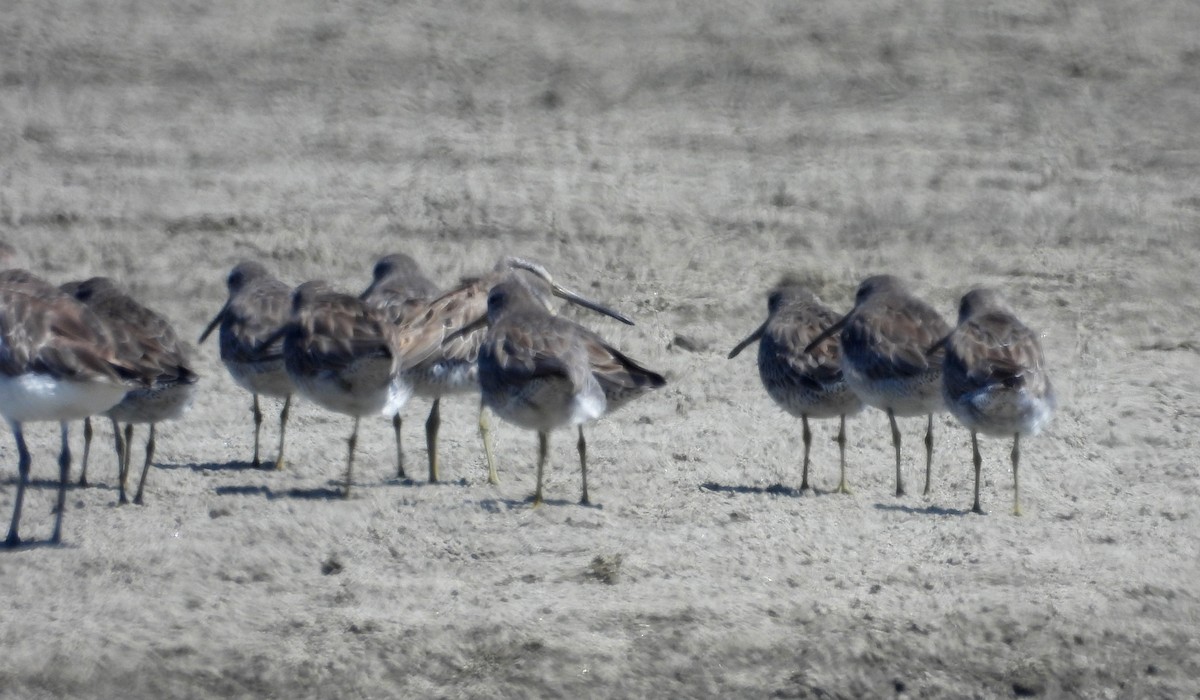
x: 41, y: 397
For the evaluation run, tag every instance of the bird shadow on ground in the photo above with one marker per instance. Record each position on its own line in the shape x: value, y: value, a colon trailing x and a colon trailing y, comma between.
x: 27, y: 545
x: 240, y: 465
x: 926, y: 510
x: 320, y: 493
x: 772, y: 490
x: 53, y: 484
x: 497, y: 505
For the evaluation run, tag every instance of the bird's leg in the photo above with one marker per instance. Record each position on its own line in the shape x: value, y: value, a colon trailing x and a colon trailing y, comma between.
x: 351, y: 443
x: 431, y: 434
x: 283, y: 419
x: 841, y: 441
x: 128, y: 457
x: 258, y: 419
x: 397, y: 424
x: 14, y: 539
x: 978, y: 468
x: 928, y: 454
x: 87, y: 449
x: 896, y: 444
x: 485, y: 432
x: 543, y: 448
x: 122, y: 469
x: 1016, y: 459
x: 582, y: 447
x: 807, y: 446
x: 137, y: 499
x: 64, y: 475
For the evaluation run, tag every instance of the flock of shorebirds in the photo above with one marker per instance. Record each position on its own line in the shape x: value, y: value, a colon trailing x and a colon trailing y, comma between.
x: 87, y: 349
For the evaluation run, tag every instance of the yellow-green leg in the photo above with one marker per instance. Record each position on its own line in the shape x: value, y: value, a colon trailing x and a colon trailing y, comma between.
x: 1016, y: 458
x: 841, y: 441
x: 485, y: 431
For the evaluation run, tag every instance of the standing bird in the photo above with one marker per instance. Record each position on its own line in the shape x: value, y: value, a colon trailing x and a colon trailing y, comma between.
x: 805, y: 384
x: 884, y: 341
x: 345, y: 356
x: 994, y: 379
x: 541, y: 371
x: 57, y: 363
x: 251, y: 345
x: 401, y: 291
x: 141, y: 336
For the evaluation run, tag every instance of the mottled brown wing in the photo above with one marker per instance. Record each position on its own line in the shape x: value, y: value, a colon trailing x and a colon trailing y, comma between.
x: 423, y: 335
x: 340, y: 330
x: 793, y: 328
x: 56, y: 335
x: 536, y: 346
x: 617, y: 373
x: 149, y: 335
x: 893, y: 341
x: 253, y: 319
x: 994, y: 348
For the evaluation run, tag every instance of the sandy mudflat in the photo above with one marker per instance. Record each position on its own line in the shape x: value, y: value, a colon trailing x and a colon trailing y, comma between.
x: 672, y: 161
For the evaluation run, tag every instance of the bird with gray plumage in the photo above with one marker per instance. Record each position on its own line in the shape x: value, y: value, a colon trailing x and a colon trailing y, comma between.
x: 805, y: 384
x: 994, y: 379
x: 251, y: 345
x: 885, y: 339
x: 141, y: 336
x: 541, y: 371
x: 402, y: 292
x: 347, y: 357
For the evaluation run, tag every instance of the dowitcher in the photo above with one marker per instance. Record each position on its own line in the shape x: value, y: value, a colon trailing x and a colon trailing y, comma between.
x: 994, y: 379
x: 541, y: 371
x: 885, y: 339
x: 258, y: 307
x: 805, y: 384
x: 345, y: 356
x: 145, y: 337
x: 57, y: 364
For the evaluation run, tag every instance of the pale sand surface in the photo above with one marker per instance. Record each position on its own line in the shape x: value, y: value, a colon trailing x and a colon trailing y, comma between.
x: 673, y: 163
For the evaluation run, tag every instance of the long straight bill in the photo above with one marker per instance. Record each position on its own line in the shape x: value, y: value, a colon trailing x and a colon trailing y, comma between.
x: 758, y: 333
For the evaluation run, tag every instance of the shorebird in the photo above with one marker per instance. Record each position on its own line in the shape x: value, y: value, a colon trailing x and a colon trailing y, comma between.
x: 884, y: 342
x: 805, y: 384
x: 57, y: 363
x: 450, y: 330
x: 994, y: 378
x: 346, y: 357
x: 401, y: 291
x: 142, y: 336
x: 541, y: 371
x: 251, y: 346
